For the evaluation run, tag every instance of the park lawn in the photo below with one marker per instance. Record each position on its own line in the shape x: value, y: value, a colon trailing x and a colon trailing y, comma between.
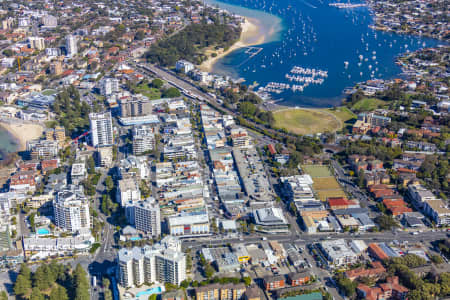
x: 325, y: 183
x: 316, y: 171
x: 305, y: 121
x: 368, y: 104
x: 49, y: 92
x: 343, y: 113
x: 151, y: 93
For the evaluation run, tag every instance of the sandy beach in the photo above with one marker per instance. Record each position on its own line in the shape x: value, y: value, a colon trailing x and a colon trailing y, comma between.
x: 23, y: 132
x: 251, y: 34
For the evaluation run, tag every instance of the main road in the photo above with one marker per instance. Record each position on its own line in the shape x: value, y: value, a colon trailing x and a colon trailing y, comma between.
x: 385, y: 236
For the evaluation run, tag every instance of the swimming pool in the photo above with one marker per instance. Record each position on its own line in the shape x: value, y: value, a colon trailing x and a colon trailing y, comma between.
x: 155, y: 290
x: 135, y: 238
x: 43, y: 231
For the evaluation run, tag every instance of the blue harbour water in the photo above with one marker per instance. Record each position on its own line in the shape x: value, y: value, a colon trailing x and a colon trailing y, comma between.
x: 8, y: 144
x: 312, y: 34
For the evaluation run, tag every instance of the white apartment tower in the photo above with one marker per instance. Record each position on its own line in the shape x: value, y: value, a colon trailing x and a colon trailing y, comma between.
x: 143, y: 139
x: 101, y: 129
x: 145, y: 216
x: 164, y: 262
x: 128, y: 192
x: 108, y: 86
x: 71, y: 210
x: 36, y: 42
x: 71, y: 45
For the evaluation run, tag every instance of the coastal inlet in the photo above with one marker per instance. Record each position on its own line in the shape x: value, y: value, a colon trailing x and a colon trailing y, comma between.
x: 312, y: 35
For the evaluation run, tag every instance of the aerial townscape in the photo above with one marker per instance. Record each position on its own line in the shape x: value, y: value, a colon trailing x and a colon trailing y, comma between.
x: 159, y: 150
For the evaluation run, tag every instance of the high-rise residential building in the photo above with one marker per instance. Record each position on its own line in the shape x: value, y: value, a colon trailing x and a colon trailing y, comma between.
x: 108, y: 86
x: 24, y: 22
x: 36, y: 42
x: 163, y: 263
x: 7, y: 23
x: 49, y: 21
x: 71, y: 209
x: 135, y: 107
x: 143, y: 139
x: 145, y: 215
x: 42, y: 149
x: 71, y: 45
x: 52, y: 51
x: 128, y: 191
x: 56, y: 68
x: 101, y: 129
x: 56, y: 134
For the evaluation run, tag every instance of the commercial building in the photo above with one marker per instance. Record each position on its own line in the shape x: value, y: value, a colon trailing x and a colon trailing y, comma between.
x: 143, y: 139
x: 270, y: 220
x: 101, y: 129
x: 188, y: 224
x: 338, y: 252
x: 145, y: 216
x: 223, y: 258
x: 163, y: 263
x: 184, y: 66
x: 239, y: 137
x: 252, y: 174
x: 71, y: 210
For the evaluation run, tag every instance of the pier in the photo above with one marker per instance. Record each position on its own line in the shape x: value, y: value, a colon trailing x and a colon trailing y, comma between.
x: 252, y: 51
x: 346, y: 5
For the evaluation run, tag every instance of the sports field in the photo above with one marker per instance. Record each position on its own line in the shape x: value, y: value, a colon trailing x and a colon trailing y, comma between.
x: 316, y: 171
x: 306, y: 121
x: 325, y: 183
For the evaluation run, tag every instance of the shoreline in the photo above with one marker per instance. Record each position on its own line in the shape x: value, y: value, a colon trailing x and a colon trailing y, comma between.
x: 22, y: 133
x: 252, y: 34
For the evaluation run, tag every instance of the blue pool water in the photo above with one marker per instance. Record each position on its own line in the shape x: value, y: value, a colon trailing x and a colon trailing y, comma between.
x: 43, y: 231
x: 155, y: 290
x: 135, y: 238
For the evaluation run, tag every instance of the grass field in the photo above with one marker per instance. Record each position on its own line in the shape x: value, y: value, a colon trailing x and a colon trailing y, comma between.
x: 343, y: 113
x: 306, y: 121
x: 49, y: 92
x: 316, y: 171
x: 368, y: 104
x: 325, y: 183
x: 151, y: 93
x: 323, y: 195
